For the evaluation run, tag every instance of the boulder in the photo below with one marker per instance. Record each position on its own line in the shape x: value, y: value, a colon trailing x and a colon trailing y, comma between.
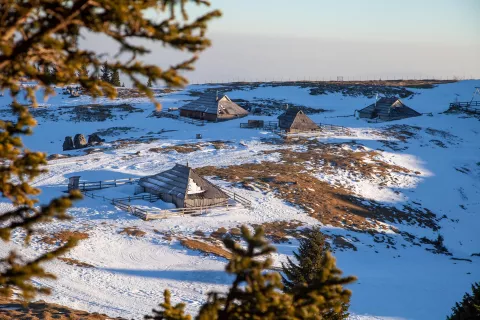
x: 94, y: 139
x: 68, y: 144
x: 79, y: 141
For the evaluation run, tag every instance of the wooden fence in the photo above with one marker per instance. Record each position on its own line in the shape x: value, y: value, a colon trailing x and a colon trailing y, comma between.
x: 331, y: 127
x: 238, y: 198
x: 152, y: 214
x: 472, y: 106
x: 98, y: 185
x: 267, y: 125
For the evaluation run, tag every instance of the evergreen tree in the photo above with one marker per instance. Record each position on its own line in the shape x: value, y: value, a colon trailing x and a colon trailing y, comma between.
x: 54, y: 37
x: 106, y: 73
x: 469, y: 308
x: 257, y: 293
x: 115, y: 80
x: 311, y: 254
x: 149, y: 83
x: 169, y: 312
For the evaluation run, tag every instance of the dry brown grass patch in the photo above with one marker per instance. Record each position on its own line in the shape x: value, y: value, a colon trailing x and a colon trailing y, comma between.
x: 292, y: 181
x: 75, y: 262
x: 278, y: 231
x: 132, y: 231
x: 209, y: 248
x: 64, y: 236
x: 40, y: 310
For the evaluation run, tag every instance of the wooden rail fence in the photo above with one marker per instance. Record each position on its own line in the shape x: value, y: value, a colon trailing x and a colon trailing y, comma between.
x: 98, y: 185
x: 472, y: 106
x: 123, y: 203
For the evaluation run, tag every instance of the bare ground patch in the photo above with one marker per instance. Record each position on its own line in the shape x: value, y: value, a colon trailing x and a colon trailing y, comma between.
x: 11, y: 309
x: 292, y: 180
x: 63, y: 236
x: 132, y: 231
x: 75, y: 262
x: 209, y: 248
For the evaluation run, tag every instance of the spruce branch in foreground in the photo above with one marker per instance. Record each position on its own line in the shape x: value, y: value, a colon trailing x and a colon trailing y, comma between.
x: 39, y: 43
x: 256, y: 293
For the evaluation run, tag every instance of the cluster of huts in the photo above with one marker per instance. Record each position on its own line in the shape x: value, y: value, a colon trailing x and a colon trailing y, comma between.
x: 212, y: 107
x: 183, y: 187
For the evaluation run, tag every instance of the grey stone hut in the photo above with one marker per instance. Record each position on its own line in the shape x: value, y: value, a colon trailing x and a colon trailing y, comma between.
x: 211, y: 107
x: 295, y: 120
x: 184, y: 188
x: 387, y: 109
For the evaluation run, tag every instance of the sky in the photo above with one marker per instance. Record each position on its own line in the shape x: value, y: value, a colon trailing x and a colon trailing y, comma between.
x: 258, y: 40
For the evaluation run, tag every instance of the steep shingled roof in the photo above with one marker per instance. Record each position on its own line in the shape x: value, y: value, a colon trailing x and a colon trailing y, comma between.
x: 388, y: 109
x: 294, y: 118
x: 208, y: 103
x: 182, y: 181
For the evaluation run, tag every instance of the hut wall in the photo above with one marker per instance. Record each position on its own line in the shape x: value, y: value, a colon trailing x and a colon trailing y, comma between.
x: 283, y: 124
x: 365, y: 114
x: 198, y: 115
x: 230, y: 116
x: 203, y: 202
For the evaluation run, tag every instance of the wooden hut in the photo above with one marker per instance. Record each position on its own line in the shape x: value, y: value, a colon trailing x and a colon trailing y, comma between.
x: 295, y: 120
x: 211, y: 107
x: 387, y: 109
x: 184, y: 188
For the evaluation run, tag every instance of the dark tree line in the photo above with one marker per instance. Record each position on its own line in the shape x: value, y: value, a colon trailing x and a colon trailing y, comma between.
x: 110, y: 75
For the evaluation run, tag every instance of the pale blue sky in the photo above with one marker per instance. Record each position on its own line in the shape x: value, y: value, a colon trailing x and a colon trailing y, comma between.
x: 436, y: 21
x: 319, y: 39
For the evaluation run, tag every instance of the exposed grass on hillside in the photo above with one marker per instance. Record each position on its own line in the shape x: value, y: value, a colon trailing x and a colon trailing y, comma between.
x: 205, y: 247
x: 132, y: 231
x: 64, y: 236
x: 291, y: 179
x: 75, y: 262
x: 40, y: 310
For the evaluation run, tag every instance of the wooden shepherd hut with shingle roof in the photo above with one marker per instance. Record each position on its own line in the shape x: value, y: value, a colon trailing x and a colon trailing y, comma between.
x: 387, y: 109
x: 295, y: 120
x: 184, y: 188
x: 211, y: 107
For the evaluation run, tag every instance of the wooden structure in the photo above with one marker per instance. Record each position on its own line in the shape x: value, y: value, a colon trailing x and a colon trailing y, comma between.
x: 259, y: 124
x: 387, y: 109
x: 234, y: 201
x: 211, y: 107
x: 74, y: 183
x: 184, y: 188
x: 471, y: 106
x: 295, y: 120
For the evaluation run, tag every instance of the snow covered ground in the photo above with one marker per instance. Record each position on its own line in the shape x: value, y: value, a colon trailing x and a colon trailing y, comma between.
x: 396, y: 279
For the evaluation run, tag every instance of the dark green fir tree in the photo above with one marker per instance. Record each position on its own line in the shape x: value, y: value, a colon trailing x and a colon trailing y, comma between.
x: 106, y: 73
x: 115, y: 80
x: 310, y: 266
x: 469, y: 308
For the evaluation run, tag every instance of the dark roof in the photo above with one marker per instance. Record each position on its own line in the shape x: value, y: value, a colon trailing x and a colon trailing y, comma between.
x: 388, y: 109
x: 208, y: 103
x: 182, y: 181
x: 294, y: 118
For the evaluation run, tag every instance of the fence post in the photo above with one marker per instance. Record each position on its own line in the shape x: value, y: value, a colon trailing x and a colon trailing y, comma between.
x: 100, y: 184
x: 115, y: 181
